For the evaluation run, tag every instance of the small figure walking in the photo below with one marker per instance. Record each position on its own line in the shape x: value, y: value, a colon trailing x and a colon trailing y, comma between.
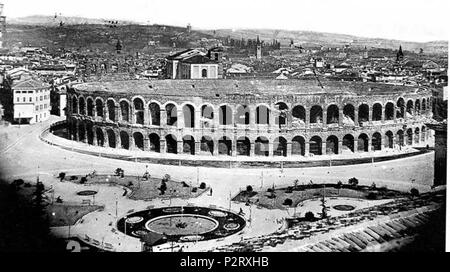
x: 241, y: 212
x: 210, y: 191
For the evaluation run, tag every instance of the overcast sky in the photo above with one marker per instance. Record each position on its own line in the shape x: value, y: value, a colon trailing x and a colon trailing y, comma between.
x: 414, y: 20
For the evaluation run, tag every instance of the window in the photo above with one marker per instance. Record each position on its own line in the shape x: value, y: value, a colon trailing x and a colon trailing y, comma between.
x: 41, y: 97
x: 24, y: 99
x: 31, y: 99
x: 18, y: 99
x: 40, y: 107
x: 204, y: 73
x: 37, y: 108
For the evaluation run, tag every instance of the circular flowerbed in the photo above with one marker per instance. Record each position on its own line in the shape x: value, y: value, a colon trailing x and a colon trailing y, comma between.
x: 87, y: 193
x: 182, y: 224
x: 343, y: 207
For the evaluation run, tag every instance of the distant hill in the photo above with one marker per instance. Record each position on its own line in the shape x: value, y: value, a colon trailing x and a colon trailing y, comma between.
x: 55, y: 20
x: 329, y: 39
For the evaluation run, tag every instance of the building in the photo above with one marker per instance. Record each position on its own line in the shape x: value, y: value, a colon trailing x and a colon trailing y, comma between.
x: 194, y: 64
x: 258, y: 48
x: 31, y: 99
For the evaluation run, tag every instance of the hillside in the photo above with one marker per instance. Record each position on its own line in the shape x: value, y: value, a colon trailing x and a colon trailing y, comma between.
x: 55, y: 20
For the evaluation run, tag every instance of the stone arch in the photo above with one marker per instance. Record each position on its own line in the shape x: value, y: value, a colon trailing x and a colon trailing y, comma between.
x: 280, y: 147
x: 172, y: 114
x: 298, y: 115
x: 363, y: 143
x: 348, y: 143
x: 189, y: 115
x: 111, y: 138
x: 333, y: 114
x: 154, y: 142
x: 417, y: 135
x: 298, y: 146
x: 377, y: 112
x: 138, y: 140
x: 428, y: 104
x: 155, y: 113
x: 363, y: 113
x: 224, y: 147
x: 100, y: 137
x: 376, y: 141
x: 90, y: 133
x: 188, y: 144
x: 282, y: 110
x: 389, y: 139
x: 225, y: 115
x: 409, y: 136
x: 99, y: 107
x: 124, y: 140
x: 262, y: 115
x: 349, y: 115
x: 138, y: 105
x: 400, y: 138
x: 74, y: 105
x: 171, y: 144
x: 423, y: 134
x: 243, y: 146
x: 111, y: 105
x: 82, y: 106
x: 242, y: 115
x: 400, y: 108
x: 315, y: 145
x: 389, y: 111
x: 332, y: 145
x: 125, y: 110
x: 262, y: 146
x: 90, y: 106
x: 316, y: 115
x: 417, y: 107
x: 207, y: 145
x: 81, y: 132
x: 424, y: 105
x: 409, y: 108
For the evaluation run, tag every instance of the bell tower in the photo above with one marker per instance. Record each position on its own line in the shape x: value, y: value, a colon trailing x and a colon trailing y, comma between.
x: 258, y: 48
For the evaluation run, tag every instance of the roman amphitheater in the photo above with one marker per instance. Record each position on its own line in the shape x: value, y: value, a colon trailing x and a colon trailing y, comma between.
x: 249, y: 119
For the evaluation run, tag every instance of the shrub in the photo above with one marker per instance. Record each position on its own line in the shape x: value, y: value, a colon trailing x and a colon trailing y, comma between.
x: 289, y: 189
x: 83, y: 180
x: 372, y: 196
x: 130, y: 183
x: 414, y: 192
x: 310, y: 216
x: 61, y: 176
x: 119, y: 171
x: 194, y: 189
x: 287, y: 202
x: 249, y: 189
x: 353, y: 181
x: 184, y: 184
x: 73, y: 177
x: 373, y: 186
x: 339, y: 185
x: 202, y: 185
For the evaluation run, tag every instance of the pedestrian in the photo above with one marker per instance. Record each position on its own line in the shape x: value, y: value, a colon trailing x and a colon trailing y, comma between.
x: 210, y: 191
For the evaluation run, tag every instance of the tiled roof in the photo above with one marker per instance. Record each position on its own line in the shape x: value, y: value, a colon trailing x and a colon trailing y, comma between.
x: 30, y: 84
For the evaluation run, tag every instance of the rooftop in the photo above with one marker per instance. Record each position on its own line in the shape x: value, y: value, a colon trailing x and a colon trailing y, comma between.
x: 208, y: 88
x: 30, y: 84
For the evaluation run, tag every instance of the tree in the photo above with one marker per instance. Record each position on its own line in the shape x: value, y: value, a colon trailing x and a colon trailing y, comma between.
x: 353, y: 182
x: 249, y: 189
x: 61, y: 176
x: 414, y: 192
x: 309, y: 216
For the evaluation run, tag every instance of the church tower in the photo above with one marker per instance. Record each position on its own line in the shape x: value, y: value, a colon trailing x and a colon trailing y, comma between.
x: 258, y: 48
x: 400, y: 54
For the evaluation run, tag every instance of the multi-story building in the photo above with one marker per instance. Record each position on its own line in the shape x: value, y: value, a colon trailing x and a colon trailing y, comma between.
x: 31, y: 100
x: 193, y: 64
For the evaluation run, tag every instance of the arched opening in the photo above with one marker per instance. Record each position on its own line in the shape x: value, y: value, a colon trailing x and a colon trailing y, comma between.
x: 155, y: 114
x: 74, y: 105
x: 332, y: 145
x: 315, y: 145
x: 400, y: 108
x: 82, y: 106
x: 282, y: 112
x: 225, y: 115
x: 188, y: 145
x: 125, y: 111
x: 424, y: 105
x: 81, y: 132
x: 417, y: 135
x: 363, y: 113
x: 389, y: 139
x: 417, y: 107
x: 90, y: 133
x: 100, y: 137
x: 207, y: 145
x: 189, y: 116
x: 348, y: 143
x: 204, y: 73
x: 363, y: 143
x: 429, y: 106
x: 225, y: 146
x: 399, y: 138
x: 124, y: 140
x: 90, y: 107
x: 171, y: 144
x: 139, y: 110
x: 409, y: 136
x: 99, y: 107
x: 243, y: 115
x: 332, y: 114
x: 389, y: 111
x: 262, y: 115
x: 171, y: 113
x: 243, y: 146
x: 298, y: 146
x: 377, y: 112
x: 409, y: 108
x: 138, y: 140
x: 262, y: 146
x: 316, y: 115
x: 73, y: 130
x: 298, y: 116
x: 154, y: 142
x: 423, y: 134
x: 111, y: 110
x: 207, y: 116
x: 111, y: 138
x: 349, y: 115
x: 376, y: 141
x: 280, y: 147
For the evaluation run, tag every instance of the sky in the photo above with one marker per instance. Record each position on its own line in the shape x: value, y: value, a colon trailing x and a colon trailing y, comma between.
x: 412, y: 20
